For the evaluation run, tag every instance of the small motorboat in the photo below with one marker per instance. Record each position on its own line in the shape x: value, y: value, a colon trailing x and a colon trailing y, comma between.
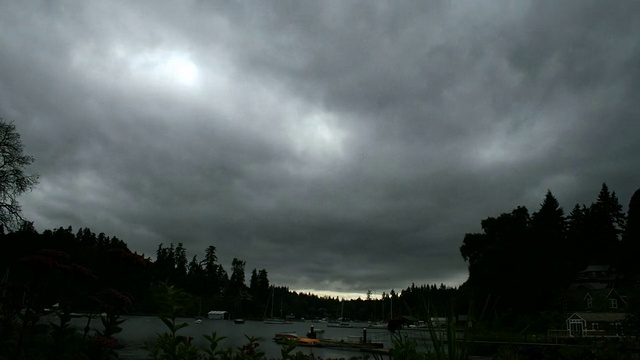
x: 238, y: 321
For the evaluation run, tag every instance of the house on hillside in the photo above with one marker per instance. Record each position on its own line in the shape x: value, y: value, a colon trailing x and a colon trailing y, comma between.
x: 594, y: 290
x: 602, y: 324
x: 598, y: 275
x: 597, y: 300
x: 592, y: 304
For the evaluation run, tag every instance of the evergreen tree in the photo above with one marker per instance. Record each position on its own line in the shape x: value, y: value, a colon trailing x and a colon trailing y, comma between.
x: 237, y: 280
x: 195, y: 277
x: 210, y: 260
x: 576, y: 233
x: 548, y: 226
x: 631, y: 238
x: 213, y: 272
x: 194, y: 267
x: 171, y: 260
x: 262, y: 287
x: 86, y: 237
x: 609, y: 214
x: 253, y: 283
x: 549, y: 222
x: 102, y: 240
x: 259, y: 290
x: 603, y: 224
x: 222, y: 277
x: 164, y: 266
x: 181, y: 262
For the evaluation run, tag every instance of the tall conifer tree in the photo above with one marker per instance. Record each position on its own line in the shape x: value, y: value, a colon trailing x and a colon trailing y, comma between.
x: 550, y: 248
x: 631, y: 237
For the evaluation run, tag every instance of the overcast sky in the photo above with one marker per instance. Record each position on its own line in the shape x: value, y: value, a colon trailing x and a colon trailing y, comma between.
x: 342, y: 145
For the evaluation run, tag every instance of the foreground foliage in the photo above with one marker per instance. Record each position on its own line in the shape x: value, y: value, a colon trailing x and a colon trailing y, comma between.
x: 28, y: 335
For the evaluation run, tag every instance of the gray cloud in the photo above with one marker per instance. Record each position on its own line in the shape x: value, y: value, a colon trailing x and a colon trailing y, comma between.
x: 343, y: 146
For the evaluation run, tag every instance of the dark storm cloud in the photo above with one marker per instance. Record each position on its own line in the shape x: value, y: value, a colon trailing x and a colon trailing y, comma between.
x: 342, y: 146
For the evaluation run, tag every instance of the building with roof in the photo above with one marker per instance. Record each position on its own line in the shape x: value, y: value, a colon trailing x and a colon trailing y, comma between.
x: 603, y: 324
x: 594, y: 290
x: 218, y: 315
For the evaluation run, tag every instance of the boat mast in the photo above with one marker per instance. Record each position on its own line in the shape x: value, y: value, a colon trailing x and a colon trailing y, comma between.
x: 273, y: 294
x: 269, y: 302
x: 281, y: 308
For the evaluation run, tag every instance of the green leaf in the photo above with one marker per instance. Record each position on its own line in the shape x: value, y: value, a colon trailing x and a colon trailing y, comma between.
x: 183, y: 325
x: 168, y: 323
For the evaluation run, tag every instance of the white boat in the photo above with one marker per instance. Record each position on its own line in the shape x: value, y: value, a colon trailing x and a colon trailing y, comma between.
x: 377, y: 325
x: 341, y: 324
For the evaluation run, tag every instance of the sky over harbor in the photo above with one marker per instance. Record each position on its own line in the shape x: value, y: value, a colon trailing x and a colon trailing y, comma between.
x: 344, y: 146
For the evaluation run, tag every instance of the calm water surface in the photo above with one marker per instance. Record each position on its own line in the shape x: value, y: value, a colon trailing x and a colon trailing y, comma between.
x: 138, y: 330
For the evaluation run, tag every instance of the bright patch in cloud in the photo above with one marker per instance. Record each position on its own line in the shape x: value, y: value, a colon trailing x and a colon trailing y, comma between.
x: 182, y: 70
x: 317, y: 137
x: 169, y: 67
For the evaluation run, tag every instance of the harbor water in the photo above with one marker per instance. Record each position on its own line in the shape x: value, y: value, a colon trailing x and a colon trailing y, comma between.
x: 139, y: 330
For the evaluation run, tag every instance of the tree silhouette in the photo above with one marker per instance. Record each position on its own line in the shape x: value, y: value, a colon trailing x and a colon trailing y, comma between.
x: 212, y: 272
x: 237, y: 280
x: 548, y: 227
x: 631, y: 237
x: 13, y: 180
x: 500, y: 263
x: 599, y: 232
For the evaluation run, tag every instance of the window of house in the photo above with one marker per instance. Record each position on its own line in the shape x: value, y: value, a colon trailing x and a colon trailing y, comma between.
x: 589, y: 303
x: 614, y: 303
x: 594, y: 326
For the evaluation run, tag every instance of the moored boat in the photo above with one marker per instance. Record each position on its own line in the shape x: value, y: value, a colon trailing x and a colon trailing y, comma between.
x: 276, y: 321
x: 377, y: 325
x: 282, y: 338
x: 341, y: 324
x: 342, y: 344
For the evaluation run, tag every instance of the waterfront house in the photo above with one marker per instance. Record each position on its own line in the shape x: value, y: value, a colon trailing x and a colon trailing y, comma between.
x: 601, y: 324
x: 218, y: 315
x: 597, y: 300
x: 594, y: 290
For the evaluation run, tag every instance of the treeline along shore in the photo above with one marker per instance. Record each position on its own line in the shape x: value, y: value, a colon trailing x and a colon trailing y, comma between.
x: 524, y: 270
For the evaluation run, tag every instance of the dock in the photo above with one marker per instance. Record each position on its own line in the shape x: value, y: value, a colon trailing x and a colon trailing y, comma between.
x: 341, y: 344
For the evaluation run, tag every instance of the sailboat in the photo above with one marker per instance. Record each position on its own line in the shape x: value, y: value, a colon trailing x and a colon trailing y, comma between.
x: 340, y: 323
x: 273, y: 320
